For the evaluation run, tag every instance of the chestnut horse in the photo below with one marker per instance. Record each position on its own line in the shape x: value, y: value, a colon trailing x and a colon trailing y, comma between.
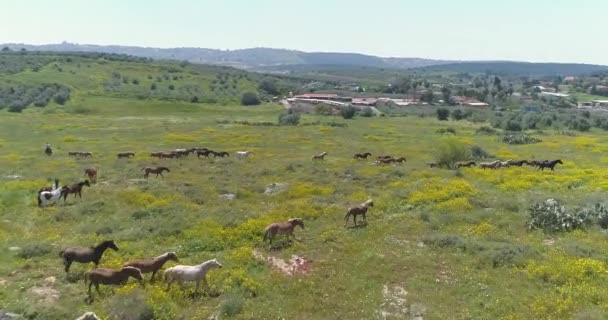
x: 76, y: 189
x: 157, y: 170
x: 110, y: 277
x: 152, y: 264
x: 125, y: 155
x: 358, y: 210
x: 282, y: 228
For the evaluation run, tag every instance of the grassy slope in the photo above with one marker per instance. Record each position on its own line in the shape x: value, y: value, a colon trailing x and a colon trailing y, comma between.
x: 484, y: 264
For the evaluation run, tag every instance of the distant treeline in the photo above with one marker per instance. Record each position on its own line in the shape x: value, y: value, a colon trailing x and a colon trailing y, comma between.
x: 18, y: 97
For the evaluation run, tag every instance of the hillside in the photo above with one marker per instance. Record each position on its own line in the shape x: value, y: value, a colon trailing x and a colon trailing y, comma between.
x: 245, y: 58
x: 509, y: 68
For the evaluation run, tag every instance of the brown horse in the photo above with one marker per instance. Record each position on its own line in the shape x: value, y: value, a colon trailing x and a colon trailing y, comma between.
x: 110, y: 277
x: 362, y: 155
x: 205, y: 153
x: 400, y: 160
x: 282, y: 228
x: 76, y: 189
x: 156, y: 154
x: 152, y: 264
x: 549, y: 164
x: 320, y: 156
x: 91, y: 173
x: 518, y: 163
x: 432, y: 164
x: 221, y: 154
x: 467, y: 164
x: 358, y: 210
x: 125, y: 155
x: 157, y: 170
x: 86, y: 255
x: 386, y: 160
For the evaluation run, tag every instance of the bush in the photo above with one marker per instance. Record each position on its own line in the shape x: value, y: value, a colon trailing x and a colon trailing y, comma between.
x: 446, y: 131
x: 551, y: 216
x: 486, y: 130
x: 457, y: 115
x: 443, y: 114
x: 34, y: 250
x: 348, y: 112
x: 232, y: 305
x: 324, y: 110
x: 289, y: 119
x: 129, y: 306
x: 478, y: 152
x: 520, y: 139
x: 250, y: 99
x: 513, y: 125
x: 449, y: 152
x: 367, y: 112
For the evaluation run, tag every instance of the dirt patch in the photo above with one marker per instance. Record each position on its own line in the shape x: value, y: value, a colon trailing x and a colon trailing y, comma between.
x: 275, y: 188
x: 295, y: 265
x: 45, y: 294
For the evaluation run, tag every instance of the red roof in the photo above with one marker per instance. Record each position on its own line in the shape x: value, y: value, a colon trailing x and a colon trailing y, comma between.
x: 317, y: 96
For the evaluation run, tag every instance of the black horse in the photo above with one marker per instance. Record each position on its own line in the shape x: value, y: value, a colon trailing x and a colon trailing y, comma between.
x: 549, y: 164
x: 48, y: 151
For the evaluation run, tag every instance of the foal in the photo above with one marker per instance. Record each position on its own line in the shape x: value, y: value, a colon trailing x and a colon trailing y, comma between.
x: 196, y: 273
x: 320, y: 156
x: 465, y: 164
x: 110, y: 277
x: 76, y: 189
x: 152, y: 264
x: 358, y: 210
x: 86, y: 255
x: 91, y: 173
x: 157, y: 170
x: 286, y: 228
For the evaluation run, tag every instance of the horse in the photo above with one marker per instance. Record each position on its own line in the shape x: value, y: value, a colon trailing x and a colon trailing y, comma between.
x: 549, y: 164
x: 320, y: 156
x: 243, y: 154
x: 91, y: 173
x: 86, y: 255
x: 221, y: 154
x: 157, y: 170
x: 384, y: 157
x: 358, y: 210
x: 74, y: 153
x: 432, y: 164
x: 535, y: 163
x: 465, y: 164
x: 76, y: 189
x: 181, y: 152
x: 286, y: 228
x: 386, y: 161
x: 518, y: 163
x: 505, y: 164
x: 205, y: 153
x: 362, y: 155
x: 48, y: 151
x: 54, y: 194
x: 490, y: 165
x: 198, y: 273
x: 105, y: 276
x: 121, y: 155
x: 86, y: 154
x: 156, y: 154
x: 400, y: 160
x: 152, y: 264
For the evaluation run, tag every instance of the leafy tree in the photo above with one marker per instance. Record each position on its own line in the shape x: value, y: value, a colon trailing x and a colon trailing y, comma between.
x: 153, y: 86
x: 443, y: 114
x: 513, y: 125
x: 6, y: 49
x: 446, y: 94
x: 457, y: 115
x: 194, y: 99
x: 171, y: 87
x: 289, y: 119
x: 427, y: 96
x: 348, y: 112
x: 269, y: 86
x: 367, y: 112
x: 250, y: 99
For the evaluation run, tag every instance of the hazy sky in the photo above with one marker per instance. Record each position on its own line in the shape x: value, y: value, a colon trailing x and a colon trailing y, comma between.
x: 530, y: 30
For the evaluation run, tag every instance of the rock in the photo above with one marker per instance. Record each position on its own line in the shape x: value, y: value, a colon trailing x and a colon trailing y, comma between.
x: 2, y: 282
x: 45, y: 294
x: 548, y: 242
x: 13, y: 249
x: 49, y: 281
x: 14, y: 176
x: 88, y: 316
x: 9, y: 316
x: 275, y: 188
x: 228, y: 196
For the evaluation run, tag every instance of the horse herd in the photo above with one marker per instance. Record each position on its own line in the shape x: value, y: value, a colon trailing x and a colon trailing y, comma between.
x: 540, y: 165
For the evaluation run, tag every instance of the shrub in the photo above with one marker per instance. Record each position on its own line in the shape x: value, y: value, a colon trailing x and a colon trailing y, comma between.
x: 478, y: 152
x: 446, y: 131
x: 551, y: 216
x: 34, y: 250
x: 443, y: 114
x: 348, y: 112
x: 289, y: 119
x: 486, y: 130
x: 232, y: 305
x: 366, y: 112
x: 457, y: 115
x: 513, y: 125
x: 324, y: 110
x: 449, y: 152
x: 250, y: 99
x: 520, y: 139
x: 129, y: 306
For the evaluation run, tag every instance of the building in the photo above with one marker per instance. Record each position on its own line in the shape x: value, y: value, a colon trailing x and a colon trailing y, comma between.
x: 467, y: 102
x: 554, y: 94
x: 324, y: 96
x: 364, y: 101
x: 600, y: 103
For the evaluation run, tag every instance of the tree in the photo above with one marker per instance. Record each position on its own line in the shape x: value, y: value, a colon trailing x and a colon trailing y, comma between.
x: 443, y: 114
x: 348, y: 112
x: 269, y: 86
x: 427, y: 96
x: 250, y: 99
x: 171, y: 87
x: 153, y: 86
x: 6, y: 49
x: 446, y: 94
x: 367, y: 112
x: 497, y: 81
x: 457, y: 115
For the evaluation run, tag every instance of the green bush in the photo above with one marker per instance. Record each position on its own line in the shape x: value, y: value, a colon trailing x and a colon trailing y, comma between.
x: 520, y: 139
x: 250, y: 99
x: 34, y: 250
x: 449, y: 152
x: 129, y: 306
x: 478, y: 152
x: 348, y: 112
x: 443, y: 114
x: 367, y: 112
x: 232, y: 305
x: 289, y: 119
x: 551, y: 216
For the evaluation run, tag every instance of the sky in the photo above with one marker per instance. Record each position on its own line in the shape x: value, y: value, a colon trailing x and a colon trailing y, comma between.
x: 522, y: 30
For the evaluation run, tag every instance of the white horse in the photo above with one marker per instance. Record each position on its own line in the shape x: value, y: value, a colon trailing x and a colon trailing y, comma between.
x: 45, y: 196
x: 196, y: 273
x: 243, y: 154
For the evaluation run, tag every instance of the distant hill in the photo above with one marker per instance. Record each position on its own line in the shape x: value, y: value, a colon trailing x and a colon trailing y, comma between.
x: 245, y: 58
x: 517, y: 68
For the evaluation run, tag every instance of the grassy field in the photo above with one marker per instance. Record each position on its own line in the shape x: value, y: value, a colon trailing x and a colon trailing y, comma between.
x: 455, y: 241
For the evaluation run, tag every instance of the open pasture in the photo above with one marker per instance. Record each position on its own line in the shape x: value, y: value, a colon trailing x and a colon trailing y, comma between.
x: 443, y: 244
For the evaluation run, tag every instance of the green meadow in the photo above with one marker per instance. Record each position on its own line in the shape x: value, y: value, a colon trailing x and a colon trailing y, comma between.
x: 439, y: 244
